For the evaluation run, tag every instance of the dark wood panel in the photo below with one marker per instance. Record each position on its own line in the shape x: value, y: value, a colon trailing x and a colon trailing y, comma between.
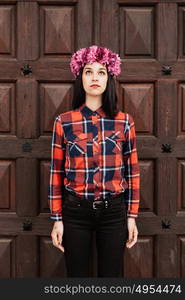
x: 7, y: 257
x: 27, y: 109
x: 7, y: 185
x: 167, y: 259
x: 84, y: 24
x: 181, y: 186
x: 181, y: 109
x: 27, y: 184
x: 7, y: 32
x: 53, y: 98
x: 7, y: 95
x: 166, y: 111
x: 166, y: 29
x: 134, y: 41
x: 28, y: 30
x: 147, y: 184
x: 52, y: 262
x: 138, y: 100
x: 109, y: 12
x: 57, y: 30
x: 27, y: 259
x: 167, y: 186
x: 181, y: 256
x: 139, y: 260
x: 44, y: 180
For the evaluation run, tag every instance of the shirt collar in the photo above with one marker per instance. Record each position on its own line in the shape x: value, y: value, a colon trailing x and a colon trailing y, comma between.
x: 87, y: 112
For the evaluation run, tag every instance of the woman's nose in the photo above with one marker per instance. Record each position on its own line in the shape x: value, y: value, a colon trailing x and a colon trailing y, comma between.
x: 95, y: 77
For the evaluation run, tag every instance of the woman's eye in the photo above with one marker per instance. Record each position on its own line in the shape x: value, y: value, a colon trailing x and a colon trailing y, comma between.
x: 101, y: 72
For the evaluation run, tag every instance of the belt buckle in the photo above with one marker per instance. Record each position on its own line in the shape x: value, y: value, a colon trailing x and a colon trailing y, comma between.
x: 94, y: 203
x: 105, y: 204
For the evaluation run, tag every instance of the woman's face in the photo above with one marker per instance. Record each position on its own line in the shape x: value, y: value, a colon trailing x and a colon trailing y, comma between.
x: 94, y: 79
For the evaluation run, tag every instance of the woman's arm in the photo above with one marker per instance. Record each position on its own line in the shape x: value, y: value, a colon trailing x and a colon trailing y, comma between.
x: 57, y: 174
x: 57, y: 171
x: 132, y: 171
x: 132, y: 176
x: 57, y: 235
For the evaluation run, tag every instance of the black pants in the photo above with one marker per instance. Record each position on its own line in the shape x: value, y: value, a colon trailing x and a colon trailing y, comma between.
x: 110, y: 225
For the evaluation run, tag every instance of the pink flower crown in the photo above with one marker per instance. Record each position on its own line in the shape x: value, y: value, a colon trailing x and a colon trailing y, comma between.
x: 95, y: 53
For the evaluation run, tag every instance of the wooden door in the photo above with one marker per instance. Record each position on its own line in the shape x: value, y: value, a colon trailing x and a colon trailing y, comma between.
x: 37, y: 39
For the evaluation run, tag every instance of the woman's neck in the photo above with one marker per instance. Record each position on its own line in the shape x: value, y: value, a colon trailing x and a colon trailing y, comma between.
x: 93, y: 102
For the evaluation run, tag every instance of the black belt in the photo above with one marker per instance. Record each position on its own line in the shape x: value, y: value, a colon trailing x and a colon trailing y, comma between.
x: 95, y: 204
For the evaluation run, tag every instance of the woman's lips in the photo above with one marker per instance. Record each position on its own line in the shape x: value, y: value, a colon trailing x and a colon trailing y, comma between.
x: 95, y: 86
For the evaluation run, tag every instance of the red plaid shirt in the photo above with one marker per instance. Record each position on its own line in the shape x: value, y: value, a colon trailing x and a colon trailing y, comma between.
x: 93, y: 156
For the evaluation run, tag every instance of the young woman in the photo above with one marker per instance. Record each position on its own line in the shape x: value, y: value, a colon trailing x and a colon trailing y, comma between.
x: 94, y: 176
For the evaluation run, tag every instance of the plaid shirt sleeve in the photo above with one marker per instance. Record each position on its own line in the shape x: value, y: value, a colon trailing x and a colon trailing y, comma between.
x: 57, y: 171
x: 132, y: 171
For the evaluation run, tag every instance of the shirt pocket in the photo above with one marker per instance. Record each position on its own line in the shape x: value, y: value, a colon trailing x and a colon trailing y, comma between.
x: 114, y: 142
x: 77, y: 144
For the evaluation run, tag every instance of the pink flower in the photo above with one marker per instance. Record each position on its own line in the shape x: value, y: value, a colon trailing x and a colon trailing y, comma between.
x: 95, y: 54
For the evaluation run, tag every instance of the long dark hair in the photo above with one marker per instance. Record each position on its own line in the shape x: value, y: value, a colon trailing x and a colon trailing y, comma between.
x: 109, y: 97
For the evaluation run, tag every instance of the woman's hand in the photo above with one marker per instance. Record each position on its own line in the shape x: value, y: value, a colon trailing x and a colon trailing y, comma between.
x: 132, y: 232
x: 57, y: 234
